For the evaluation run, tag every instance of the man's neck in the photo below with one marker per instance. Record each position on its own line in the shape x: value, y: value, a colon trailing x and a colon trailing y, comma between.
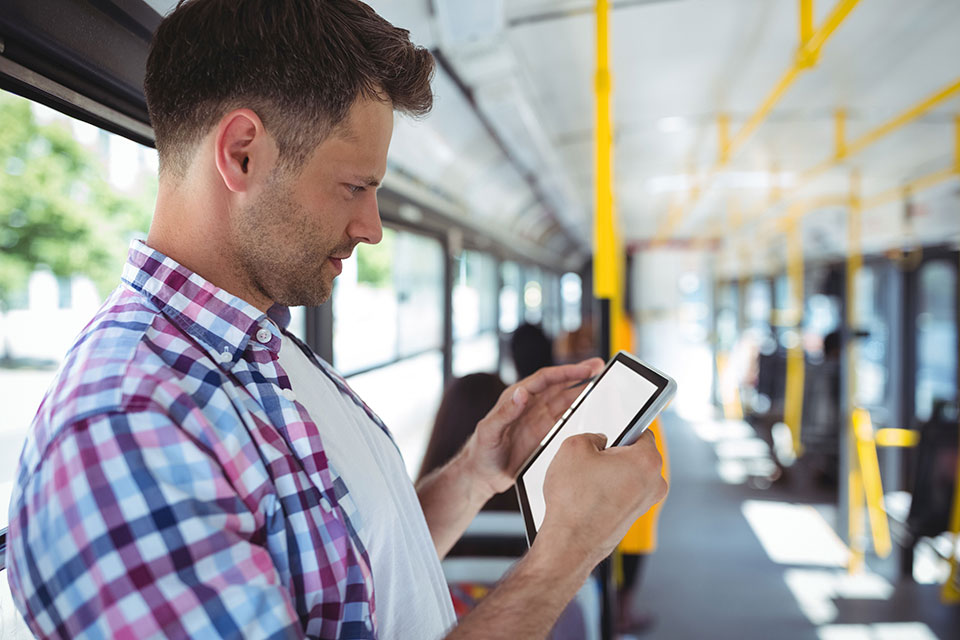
x: 200, y: 241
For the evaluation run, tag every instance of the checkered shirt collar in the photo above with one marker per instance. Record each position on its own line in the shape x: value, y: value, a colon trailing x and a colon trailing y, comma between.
x: 219, y: 321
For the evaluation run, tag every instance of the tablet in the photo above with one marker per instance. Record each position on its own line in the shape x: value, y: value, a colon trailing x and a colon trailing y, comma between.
x: 620, y: 403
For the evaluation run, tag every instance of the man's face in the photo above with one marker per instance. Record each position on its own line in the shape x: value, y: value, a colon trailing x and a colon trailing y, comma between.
x: 290, y: 242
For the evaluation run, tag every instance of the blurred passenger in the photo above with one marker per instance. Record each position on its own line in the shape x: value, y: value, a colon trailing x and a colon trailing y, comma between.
x: 465, y: 402
x: 530, y: 349
x: 576, y: 345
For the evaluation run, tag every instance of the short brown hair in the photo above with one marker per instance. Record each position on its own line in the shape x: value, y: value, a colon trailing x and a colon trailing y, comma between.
x: 299, y: 64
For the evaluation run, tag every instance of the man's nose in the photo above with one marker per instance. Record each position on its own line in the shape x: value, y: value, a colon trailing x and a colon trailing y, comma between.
x: 365, y: 226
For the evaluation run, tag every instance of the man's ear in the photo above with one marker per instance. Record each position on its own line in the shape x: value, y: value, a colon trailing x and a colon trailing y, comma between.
x: 245, y: 154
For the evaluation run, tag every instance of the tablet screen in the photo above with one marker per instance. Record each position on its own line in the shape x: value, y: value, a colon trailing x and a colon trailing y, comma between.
x: 608, y: 409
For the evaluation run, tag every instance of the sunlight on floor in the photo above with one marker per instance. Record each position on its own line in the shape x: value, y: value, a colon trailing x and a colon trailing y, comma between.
x: 816, y: 590
x: 795, y: 534
x: 742, y: 457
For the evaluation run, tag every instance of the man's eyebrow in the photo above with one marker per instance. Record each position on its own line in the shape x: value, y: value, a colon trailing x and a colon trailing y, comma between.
x: 369, y: 181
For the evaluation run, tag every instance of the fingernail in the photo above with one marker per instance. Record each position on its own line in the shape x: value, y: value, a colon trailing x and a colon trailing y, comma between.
x: 518, y: 396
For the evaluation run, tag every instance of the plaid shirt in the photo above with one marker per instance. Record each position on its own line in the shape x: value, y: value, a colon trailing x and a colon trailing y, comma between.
x: 168, y: 487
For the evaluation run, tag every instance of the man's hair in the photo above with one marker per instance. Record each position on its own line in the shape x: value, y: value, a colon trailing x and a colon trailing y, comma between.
x: 299, y: 64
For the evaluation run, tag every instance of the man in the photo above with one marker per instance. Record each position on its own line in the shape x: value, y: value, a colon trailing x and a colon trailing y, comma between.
x: 195, y: 471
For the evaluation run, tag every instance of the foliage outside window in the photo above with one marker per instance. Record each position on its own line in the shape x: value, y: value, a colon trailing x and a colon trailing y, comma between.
x: 57, y: 209
x: 71, y: 198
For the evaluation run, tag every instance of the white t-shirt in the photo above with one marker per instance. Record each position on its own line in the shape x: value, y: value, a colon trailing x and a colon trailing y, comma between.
x: 412, y: 598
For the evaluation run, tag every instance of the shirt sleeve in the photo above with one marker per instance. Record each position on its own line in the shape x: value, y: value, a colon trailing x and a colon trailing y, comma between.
x: 129, y: 529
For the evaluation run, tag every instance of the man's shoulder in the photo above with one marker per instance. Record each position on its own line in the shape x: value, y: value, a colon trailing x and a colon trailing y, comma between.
x: 117, y: 364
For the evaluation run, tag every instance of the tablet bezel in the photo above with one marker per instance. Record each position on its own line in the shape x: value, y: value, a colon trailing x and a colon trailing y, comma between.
x: 659, y: 380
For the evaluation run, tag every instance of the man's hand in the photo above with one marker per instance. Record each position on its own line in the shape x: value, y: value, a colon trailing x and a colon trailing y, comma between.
x: 523, y: 415
x: 593, y: 495
x: 452, y: 495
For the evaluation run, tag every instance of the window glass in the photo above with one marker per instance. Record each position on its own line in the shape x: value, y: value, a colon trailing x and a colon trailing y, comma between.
x: 936, y: 336
x: 474, y: 295
x: 510, y: 297
x: 727, y: 301
x: 551, y: 304
x: 388, y: 301
x: 474, y: 314
x: 571, y: 293
x: 758, y: 303
x: 872, y: 376
x: 533, y: 296
x: 418, y: 278
x: 406, y: 396
x: 72, y: 197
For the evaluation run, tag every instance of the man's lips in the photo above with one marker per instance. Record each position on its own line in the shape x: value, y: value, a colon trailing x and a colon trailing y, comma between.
x: 337, y: 262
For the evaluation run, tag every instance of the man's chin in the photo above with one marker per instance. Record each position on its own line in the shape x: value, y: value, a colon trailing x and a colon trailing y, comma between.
x: 307, y: 295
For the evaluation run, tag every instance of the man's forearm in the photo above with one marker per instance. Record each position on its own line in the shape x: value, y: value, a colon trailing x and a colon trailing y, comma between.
x: 450, y: 498
x: 527, y: 603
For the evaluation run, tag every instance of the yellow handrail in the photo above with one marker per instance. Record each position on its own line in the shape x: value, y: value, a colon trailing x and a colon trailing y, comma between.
x: 897, y: 437
x: 793, y: 396
x: 869, y: 468
x: 811, y: 43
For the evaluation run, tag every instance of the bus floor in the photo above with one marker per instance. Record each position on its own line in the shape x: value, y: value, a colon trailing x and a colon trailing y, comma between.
x: 742, y: 558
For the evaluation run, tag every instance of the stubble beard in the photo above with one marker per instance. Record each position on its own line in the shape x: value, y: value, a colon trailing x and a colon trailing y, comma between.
x: 281, y: 253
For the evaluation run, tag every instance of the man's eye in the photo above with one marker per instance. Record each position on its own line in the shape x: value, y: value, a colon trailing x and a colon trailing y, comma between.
x: 356, y: 188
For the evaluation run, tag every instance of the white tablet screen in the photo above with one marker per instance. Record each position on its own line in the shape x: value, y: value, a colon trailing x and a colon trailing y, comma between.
x: 608, y: 409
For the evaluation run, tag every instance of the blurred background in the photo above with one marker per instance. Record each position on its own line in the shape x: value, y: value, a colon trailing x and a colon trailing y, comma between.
x: 782, y: 207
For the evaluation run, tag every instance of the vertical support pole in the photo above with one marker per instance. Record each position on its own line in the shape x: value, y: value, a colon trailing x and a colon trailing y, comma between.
x: 806, y: 21
x: 723, y: 139
x: 855, y: 487
x: 605, y: 247
x: 605, y: 254
x: 840, y: 134
x: 793, y: 400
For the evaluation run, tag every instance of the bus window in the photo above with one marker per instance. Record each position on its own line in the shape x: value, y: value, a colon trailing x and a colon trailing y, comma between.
x: 402, y: 278
x: 872, y: 375
x: 72, y: 197
x: 551, y: 304
x: 727, y: 294
x: 936, y: 336
x: 475, y: 293
x: 571, y: 293
x: 510, y: 297
x: 388, y: 333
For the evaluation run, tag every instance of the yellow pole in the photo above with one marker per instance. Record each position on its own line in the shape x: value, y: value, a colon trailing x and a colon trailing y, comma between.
x: 854, y: 261
x: 811, y: 43
x: 793, y: 400
x: 869, y: 466
x: 840, y: 134
x: 723, y: 138
x: 806, y: 21
x: 605, y: 245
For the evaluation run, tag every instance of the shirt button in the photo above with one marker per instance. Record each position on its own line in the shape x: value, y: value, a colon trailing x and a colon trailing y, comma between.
x: 225, y: 357
x: 264, y: 335
x: 289, y: 394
